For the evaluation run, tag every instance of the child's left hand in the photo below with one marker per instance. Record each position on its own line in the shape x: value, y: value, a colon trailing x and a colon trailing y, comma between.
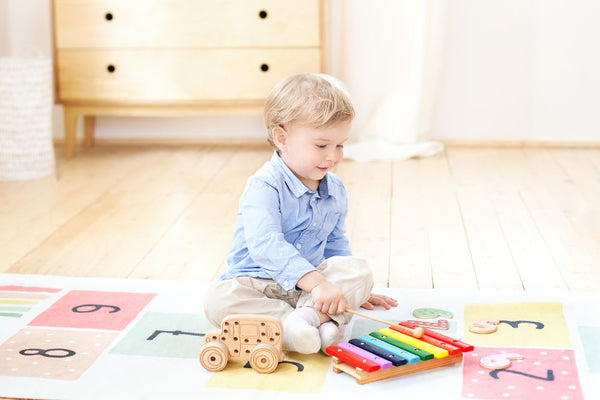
x: 379, y: 300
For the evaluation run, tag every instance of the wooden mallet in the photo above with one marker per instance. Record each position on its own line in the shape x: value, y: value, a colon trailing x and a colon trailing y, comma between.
x: 417, y: 332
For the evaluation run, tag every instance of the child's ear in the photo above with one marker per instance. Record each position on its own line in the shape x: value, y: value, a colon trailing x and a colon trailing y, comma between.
x: 279, y: 137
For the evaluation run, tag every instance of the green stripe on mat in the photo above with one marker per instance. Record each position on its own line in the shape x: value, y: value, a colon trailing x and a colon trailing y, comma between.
x: 14, y: 308
x: 7, y: 314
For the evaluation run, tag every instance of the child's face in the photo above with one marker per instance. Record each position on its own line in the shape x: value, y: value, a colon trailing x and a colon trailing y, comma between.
x: 310, y: 152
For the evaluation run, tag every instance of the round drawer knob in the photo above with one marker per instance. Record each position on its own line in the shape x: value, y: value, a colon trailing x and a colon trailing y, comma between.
x: 108, y: 16
x: 264, y: 67
x: 263, y: 14
x: 111, y: 68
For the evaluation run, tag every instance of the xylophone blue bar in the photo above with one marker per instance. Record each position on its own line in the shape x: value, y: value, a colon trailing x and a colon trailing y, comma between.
x: 395, y: 359
x: 408, y: 357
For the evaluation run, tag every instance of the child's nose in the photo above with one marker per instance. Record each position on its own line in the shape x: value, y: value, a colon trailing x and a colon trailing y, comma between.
x: 331, y: 155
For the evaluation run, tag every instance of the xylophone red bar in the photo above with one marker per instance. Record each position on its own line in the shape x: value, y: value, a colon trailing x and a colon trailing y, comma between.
x: 452, y: 350
x: 465, y: 347
x: 352, y: 359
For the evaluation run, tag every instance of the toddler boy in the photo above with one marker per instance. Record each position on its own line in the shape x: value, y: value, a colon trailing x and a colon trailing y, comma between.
x: 290, y: 256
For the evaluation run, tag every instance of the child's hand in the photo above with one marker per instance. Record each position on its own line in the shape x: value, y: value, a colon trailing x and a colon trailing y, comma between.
x: 379, y: 300
x: 328, y: 298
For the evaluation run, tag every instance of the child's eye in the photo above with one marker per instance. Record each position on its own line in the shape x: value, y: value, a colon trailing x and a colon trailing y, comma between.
x: 321, y: 146
x: 340, y: 146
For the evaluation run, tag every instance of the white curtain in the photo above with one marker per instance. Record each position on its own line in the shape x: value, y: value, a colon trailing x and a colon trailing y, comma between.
x: 388, y: 53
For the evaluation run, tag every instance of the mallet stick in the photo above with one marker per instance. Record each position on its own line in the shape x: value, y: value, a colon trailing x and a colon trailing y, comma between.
x: 417, y: 332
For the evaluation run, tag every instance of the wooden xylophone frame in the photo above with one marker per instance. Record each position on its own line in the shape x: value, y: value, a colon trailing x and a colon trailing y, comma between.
x: 363, y: 377
x: 368, y: 377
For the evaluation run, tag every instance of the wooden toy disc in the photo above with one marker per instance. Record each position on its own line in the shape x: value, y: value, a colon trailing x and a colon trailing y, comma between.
x: 264, y: 358
x: 214, y: 356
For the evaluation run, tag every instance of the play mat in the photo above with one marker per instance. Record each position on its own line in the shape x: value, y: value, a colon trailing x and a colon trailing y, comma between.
x: 74, y: 338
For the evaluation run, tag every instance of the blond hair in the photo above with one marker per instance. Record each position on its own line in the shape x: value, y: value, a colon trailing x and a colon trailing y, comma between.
x: 316, y: 100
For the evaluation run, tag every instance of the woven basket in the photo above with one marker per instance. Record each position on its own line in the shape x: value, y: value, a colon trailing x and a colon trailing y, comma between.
x: 26, y: 150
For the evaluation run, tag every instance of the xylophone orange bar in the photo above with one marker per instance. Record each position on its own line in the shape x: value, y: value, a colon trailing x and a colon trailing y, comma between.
x: 451, y: 349
x: 426, y: 332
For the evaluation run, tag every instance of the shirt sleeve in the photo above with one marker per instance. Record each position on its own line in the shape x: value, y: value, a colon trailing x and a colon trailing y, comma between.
x: 264, y: 237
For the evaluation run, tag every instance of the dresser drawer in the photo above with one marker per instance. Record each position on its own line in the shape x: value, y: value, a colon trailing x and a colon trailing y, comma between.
x: 186, y: 23
x: 172, y: 75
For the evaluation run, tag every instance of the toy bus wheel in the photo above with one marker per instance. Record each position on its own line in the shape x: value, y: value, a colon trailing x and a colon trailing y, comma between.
x: 264, y: 358
x: 214, y: 356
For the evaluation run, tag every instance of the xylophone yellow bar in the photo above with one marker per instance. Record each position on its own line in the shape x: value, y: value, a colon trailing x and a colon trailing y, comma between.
x: 436, y: 351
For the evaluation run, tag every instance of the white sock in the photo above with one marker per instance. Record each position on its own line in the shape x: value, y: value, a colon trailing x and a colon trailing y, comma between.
x: 330, y: 334
x: 300, y: 333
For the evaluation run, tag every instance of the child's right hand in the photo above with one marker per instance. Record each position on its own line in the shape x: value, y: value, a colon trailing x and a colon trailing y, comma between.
x: 328, y: 298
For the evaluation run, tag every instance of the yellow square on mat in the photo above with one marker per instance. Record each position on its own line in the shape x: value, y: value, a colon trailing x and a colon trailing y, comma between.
x: 297, y: 373
x: 524, y: 324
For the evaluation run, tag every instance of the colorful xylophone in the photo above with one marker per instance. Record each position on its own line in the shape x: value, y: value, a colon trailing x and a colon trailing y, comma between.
x: 395, y: 351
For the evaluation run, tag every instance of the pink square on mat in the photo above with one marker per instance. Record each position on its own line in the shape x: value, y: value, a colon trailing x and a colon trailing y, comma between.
x: 541, y: 374
x: 94, y: 310
x: 52, y: 353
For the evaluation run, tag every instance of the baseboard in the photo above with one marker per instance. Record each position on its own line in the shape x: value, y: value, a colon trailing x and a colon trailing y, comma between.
x: 262, y: 142
x: 518, y: 143
x: 178, y: 142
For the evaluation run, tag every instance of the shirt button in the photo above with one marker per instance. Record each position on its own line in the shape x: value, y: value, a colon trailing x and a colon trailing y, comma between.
x: 314, y: 224
x: 286, y: 284
x: 298, y: 246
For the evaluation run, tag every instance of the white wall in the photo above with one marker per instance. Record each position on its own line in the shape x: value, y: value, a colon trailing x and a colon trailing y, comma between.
x: 485, y: 88
x: 567, y: 70
x: 514, y: 70
x: 28, y: 24
x: 521, y: 70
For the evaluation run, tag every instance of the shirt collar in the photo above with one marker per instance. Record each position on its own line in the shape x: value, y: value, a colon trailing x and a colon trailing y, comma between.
x: 295, y: 185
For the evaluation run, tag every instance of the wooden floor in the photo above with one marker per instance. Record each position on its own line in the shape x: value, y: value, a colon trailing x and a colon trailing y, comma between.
x: 492, y: 219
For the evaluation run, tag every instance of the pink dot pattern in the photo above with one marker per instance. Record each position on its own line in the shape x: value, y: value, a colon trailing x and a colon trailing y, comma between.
x: 478, y: 384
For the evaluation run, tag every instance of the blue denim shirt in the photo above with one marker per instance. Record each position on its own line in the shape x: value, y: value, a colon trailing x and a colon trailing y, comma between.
x: 284, y: 229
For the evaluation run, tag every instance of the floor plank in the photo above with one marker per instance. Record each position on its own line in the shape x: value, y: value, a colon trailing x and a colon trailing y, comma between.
x: 468, y: 218
x: 409, y: 231
x: 493, y: 260
x: 107, y: 237
x: 200, y: 237
x: 36, y: 210
x: 536, y: 268
x: 369, y: 194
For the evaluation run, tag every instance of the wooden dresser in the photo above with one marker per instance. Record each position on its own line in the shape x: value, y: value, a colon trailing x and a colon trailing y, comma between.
x: 178, y: 57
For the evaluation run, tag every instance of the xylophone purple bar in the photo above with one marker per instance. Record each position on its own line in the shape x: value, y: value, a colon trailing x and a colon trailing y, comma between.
x: 465, y: 347
x: 350, y: 358
x: 383, y: 364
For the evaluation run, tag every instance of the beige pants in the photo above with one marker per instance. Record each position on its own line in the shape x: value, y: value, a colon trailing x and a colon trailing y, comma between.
x: 266, y: 297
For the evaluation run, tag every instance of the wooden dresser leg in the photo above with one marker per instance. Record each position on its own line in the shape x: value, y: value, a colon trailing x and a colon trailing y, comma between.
x: 70, y: 131
x: 89, y: 124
